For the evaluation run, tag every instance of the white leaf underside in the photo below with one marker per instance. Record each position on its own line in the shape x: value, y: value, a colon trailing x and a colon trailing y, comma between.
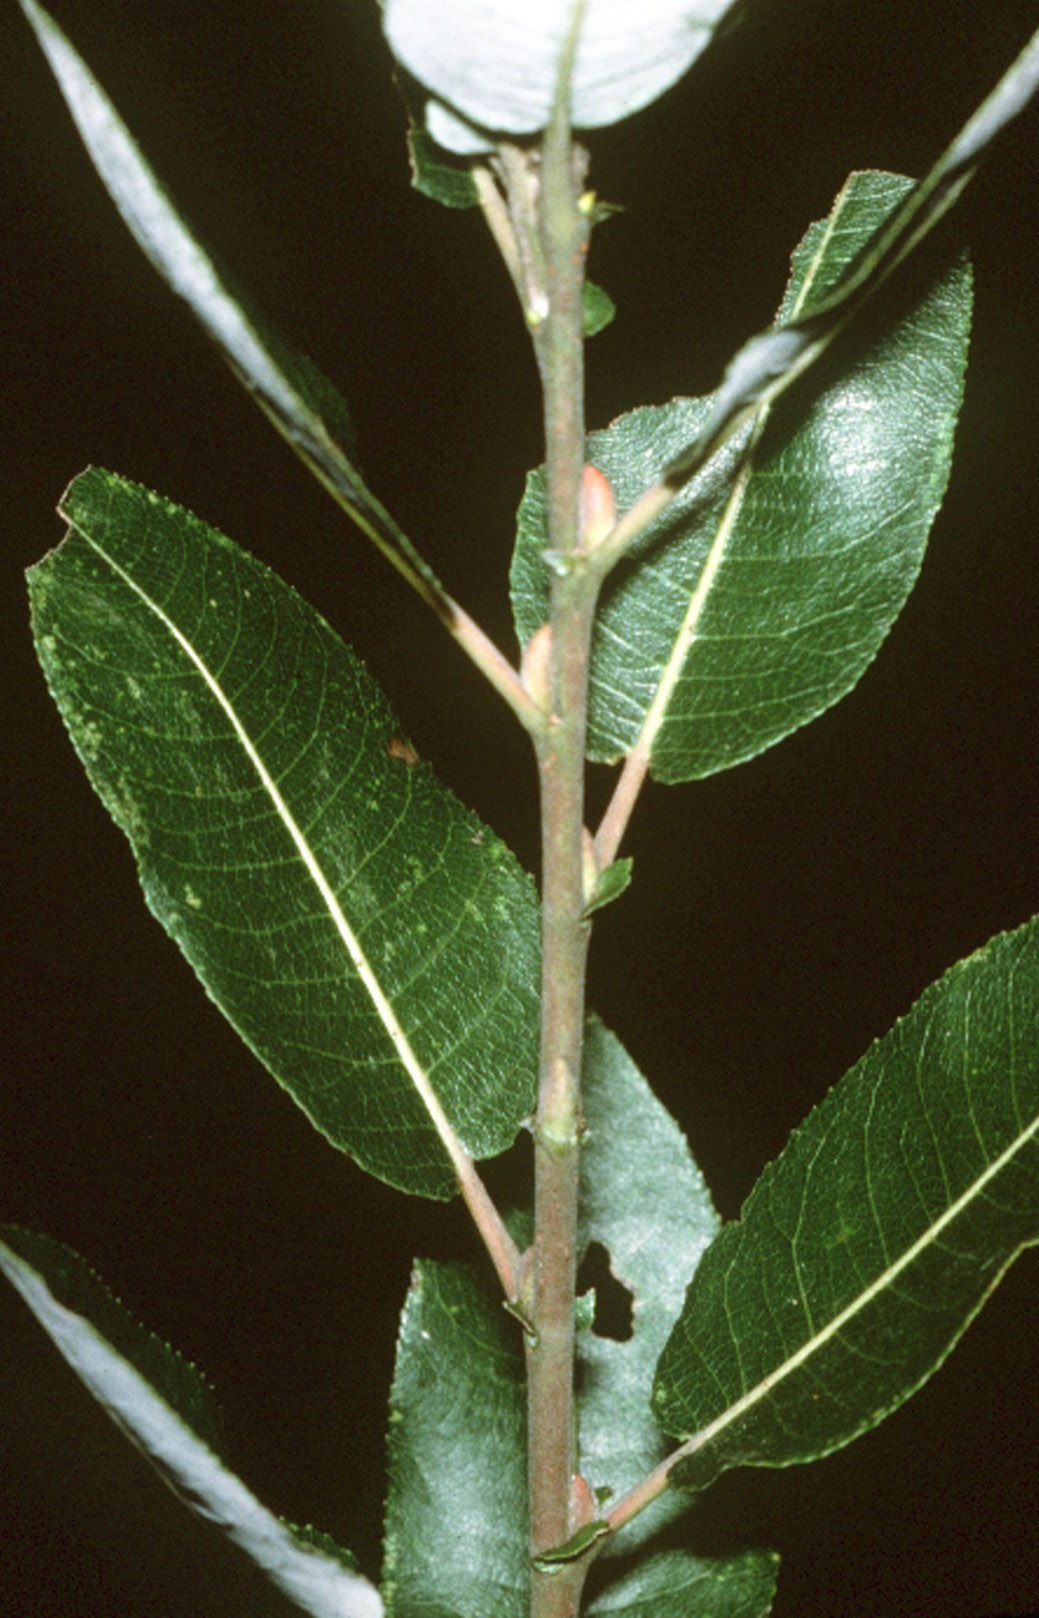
x: 493, y: 64
x: 316, y: 1583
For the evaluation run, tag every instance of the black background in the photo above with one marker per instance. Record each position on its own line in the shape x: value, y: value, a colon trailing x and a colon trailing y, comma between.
x: 784, y: 913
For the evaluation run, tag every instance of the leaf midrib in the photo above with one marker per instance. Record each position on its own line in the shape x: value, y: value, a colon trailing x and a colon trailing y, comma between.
x: 365, y: 971
x: 687, y: 633
x: 886, y: 1278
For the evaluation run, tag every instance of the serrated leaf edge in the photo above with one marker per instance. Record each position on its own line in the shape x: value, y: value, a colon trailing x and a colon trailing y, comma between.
x: 363, y: 967
x: 671, y: 673
x: 315, y: 1581
x: 188, y: 270
x: 696, y: 1442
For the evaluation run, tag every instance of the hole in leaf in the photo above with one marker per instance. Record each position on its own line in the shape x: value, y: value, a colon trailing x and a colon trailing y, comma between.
x: 613, y: 1302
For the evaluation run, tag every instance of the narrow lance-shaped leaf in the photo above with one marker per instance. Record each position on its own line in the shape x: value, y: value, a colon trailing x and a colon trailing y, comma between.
x: 301, y: 402
x: 492, y: 65
x: 764, y: 590
x: 162, y: 1404
x: 371, y: 941
x: 866, y: 1249
x: 769, y: 363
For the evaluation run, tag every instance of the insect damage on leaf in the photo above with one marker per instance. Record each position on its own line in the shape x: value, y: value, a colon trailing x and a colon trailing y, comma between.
x: 398, y: 748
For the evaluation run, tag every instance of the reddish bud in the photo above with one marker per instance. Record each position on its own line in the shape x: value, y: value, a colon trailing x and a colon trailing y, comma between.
x: 535, y: 668
x: 598, y: 508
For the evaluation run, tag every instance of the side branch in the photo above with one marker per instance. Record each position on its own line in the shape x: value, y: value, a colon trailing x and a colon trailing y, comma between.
x: 619, y: 810
x: 502, y: 1250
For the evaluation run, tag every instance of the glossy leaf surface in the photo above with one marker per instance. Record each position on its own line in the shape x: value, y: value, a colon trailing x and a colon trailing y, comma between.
x: 644, y: 1199
x: 493, y: 64
x: 675, y: 1584
x: 302, y: 403
x: 761, y: 595
x: 773, y: 360
x: 456, y: 1515
x: 164, y: 1406
x: 372, y: 942
x: 866, y: 1249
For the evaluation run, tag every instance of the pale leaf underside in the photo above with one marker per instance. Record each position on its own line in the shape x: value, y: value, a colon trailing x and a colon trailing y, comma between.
x: 163, y: 1406
x: 644, y: 1200
x: 492, y: 65
x: 457, y: 1436
x: 296, y: 396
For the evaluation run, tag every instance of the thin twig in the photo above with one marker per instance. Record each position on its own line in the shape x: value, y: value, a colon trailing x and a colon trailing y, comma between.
x: 496, y: 216
x: 494, y: 667
x: 504, y: 1254
x: 522, y: 189
x: 614, y: 822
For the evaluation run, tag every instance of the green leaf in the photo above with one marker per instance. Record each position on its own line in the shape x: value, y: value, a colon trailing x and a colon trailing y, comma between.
x: 574, y: 1547
x: 370, y: 940
x: 447, y: 181
x: 866, y: 1249
x: 764, y: 591
x: 457, y: 1436
x: 163, y: 1405
x: 456, y: 1513
x: 493, y: 64
x: 293, y: 393
x: 674, y: 1584
x: 613, y: 880
x: 770, y: 362
x: 597, y: 308
x: 644, y: 1199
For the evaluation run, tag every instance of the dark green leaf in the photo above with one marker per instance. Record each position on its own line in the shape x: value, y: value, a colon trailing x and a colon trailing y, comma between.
x: 866, y: 1249
x: 677, y: 1585
x: 447, y: 181
x: 597, y: 308
x: 644, y: 1200
x: 493, y: 64
x: 370, y: 940
x: 301, y: 402
x: 767, y: 365
x: 456, y: 1515
x: 575, y: 1546
x: 765, y: 589
x: 163, y: 1405
x: 611, y: 884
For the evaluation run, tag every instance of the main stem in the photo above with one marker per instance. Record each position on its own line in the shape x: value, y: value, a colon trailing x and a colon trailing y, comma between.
x: 557, y: 1132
